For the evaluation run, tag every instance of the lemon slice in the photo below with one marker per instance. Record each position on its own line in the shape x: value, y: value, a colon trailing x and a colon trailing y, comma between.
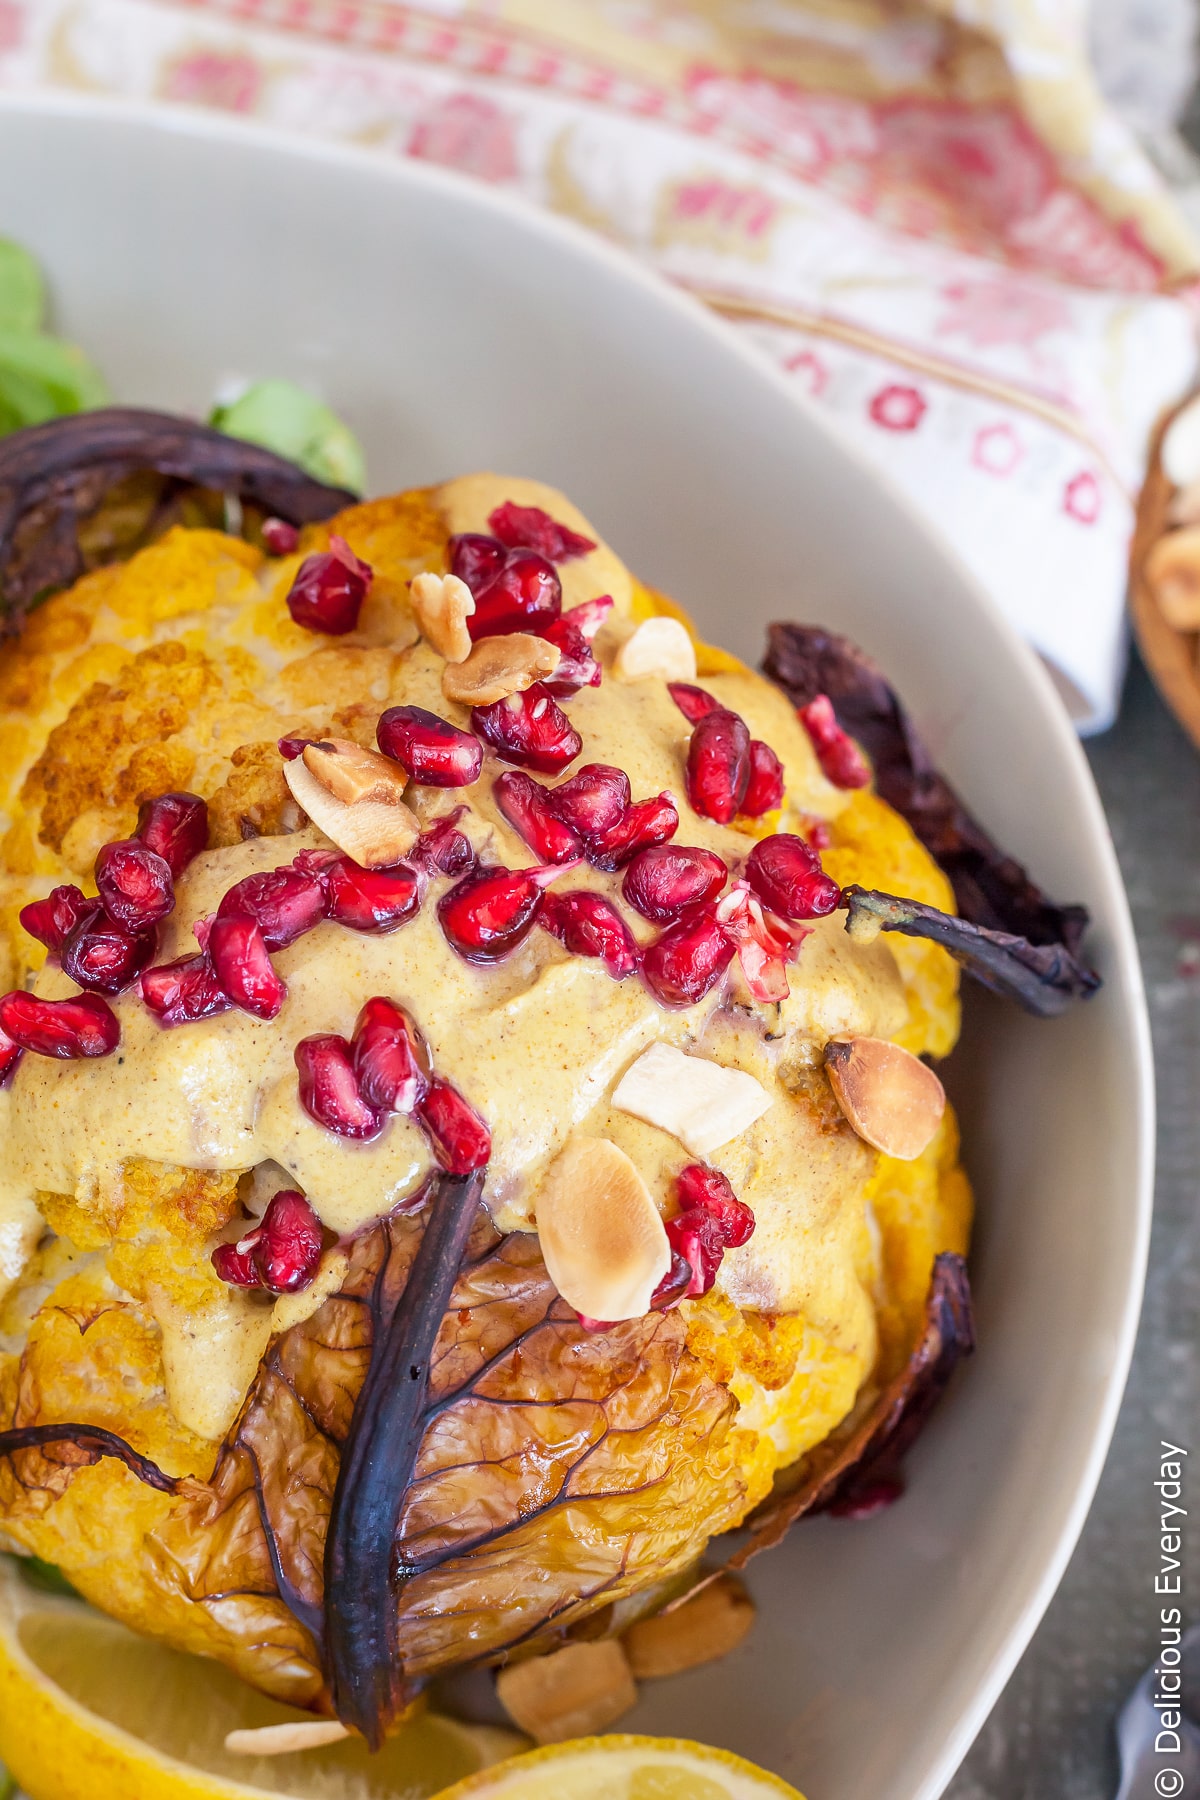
x: 91, y: 1711
x: 624, y: 1768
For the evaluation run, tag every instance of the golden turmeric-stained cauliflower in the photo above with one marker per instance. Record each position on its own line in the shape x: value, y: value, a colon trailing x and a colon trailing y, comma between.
x: 561, y: 1462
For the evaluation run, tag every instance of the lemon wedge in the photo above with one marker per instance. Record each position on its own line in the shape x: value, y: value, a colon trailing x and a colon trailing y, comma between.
x: 623, y: 1767
x: 90, y: 1711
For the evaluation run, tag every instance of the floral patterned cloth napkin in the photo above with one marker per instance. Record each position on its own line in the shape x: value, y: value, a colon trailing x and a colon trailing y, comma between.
x: 920, y: 210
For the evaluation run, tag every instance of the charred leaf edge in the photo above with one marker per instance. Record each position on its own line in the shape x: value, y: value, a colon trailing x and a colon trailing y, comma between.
x: 1043, y: 978
x: 991, y: 889
x: 874, y: 1448
x: 52, y: 476
x: 96, y: 1443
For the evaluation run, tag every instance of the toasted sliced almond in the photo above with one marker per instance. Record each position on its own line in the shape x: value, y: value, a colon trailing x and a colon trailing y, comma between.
x: 573, y: 1692
x: 604, y: 1243
x: 498, y: 667
x: 376, y: 833
x: 698, y: 1101
x: 285, y: 1740
x: 707, y: 1626
x: 893, y: 1100
x: 443, y: 604
x: 659, y: 647
x: 350, y: 773
x: 1173, y: 571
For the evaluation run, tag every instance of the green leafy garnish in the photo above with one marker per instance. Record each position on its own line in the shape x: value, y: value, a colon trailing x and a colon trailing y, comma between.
x: 8, y: 1785
x: 48, y: 1578
x: 41, y: 377
x: 280, y: 416
x: 22, y: 292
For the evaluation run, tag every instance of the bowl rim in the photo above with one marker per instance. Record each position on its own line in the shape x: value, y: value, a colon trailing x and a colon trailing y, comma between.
x: 1124, y: 975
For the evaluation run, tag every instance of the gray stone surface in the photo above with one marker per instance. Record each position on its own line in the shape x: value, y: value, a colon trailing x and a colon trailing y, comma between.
x: 1050, y: 1736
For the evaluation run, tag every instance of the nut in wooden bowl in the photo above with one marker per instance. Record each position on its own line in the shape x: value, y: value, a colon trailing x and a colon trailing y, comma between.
x: 1164, y: 563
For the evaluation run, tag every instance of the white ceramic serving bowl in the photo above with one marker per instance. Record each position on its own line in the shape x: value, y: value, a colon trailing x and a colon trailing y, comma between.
x: 457, y: 330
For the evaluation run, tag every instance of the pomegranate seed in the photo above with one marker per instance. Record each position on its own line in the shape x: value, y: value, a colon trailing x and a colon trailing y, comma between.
x: 695, y: 1237
x: 589, y: 615
x: 817, y: 832
x: 280, y: 538
x: 10, y: 1056
x: 371, y: 900
x: 787, y: 876
x: 718, y: 766
x: 529, y: 729
x: 429, y: 748
x: 289, y: 1248
x: 712, y: 1221
x: 765, y: 972
x: 290, y: 748
x: 675, y: 1284
x: 329, y: 589
x: 765, y: 942
x: 235, y: 1263
x: 391, y: 1059
x: 476, y: 559
x: 178, y: 992
x: 577, y: 667
x: 764, y: 790
x: 645, y: 823
x: 664, y: 880
x: 316, y: 863
x: 441, y: 850
x: 52, y: 920
x: 693, y: 702
x: 238, y: 952
x: 529, y: 528
x: 175, y: 827
x: 841, y: 760
x: 458, y: 1137
x: 589, y: 925
x: 527, y: 807
x: 284, y: 904
x: 593, y: 801
x: 85, y: 1025
x: 283, y: 1251
x: 524, y: 596
x: 105, y: 958
x: 329, y: 1088
x: 710, y: 1190
x: 687, y: 960
x: 487, y: 914
x: 135, y: 884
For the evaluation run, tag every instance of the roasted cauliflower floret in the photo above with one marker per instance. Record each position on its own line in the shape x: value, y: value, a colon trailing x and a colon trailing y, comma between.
x: 562, y: 1468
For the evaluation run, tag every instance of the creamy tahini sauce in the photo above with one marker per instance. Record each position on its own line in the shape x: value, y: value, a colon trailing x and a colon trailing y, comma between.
x: 536, y: 1043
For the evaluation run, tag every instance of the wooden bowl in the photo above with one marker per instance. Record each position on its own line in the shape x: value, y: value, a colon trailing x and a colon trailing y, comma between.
x: 1171, y: 655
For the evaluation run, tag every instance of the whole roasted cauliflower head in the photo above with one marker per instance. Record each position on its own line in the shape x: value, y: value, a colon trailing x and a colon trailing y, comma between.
x: 556, y: 968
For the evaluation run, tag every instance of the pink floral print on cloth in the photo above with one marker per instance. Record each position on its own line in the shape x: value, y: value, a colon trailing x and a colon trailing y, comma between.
x: 923, y: 216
